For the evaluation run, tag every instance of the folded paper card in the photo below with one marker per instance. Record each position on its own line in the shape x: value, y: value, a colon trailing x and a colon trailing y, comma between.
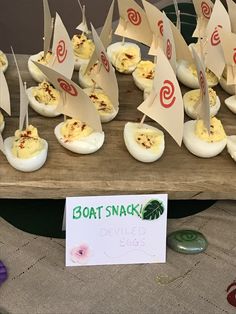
x: 125, y: 229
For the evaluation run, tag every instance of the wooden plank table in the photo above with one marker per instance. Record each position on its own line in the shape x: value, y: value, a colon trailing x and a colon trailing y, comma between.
x: 112, y: 170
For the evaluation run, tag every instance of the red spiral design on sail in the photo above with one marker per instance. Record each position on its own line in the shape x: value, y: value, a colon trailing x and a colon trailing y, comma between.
x: 68, y: 88
x: 61, y: 51
x: 202, y: 83
x: 160, y: 26
x: 206, y: 10
x: 105, y: 62
x: 231, y: 297
x: 167, y: 97
x: 134, y: 17
x: 215, y: 37
x: 168, y: 49
x: 234, y: 56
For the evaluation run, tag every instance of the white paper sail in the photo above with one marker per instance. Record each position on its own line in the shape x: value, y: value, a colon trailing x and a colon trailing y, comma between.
x: 83, y: 27
x: 165, y: 103
x: 4, y: 94
x: 168, y: 42
x: 203, y: 10
x: 76, y: 103
x: 204, y: 105
x: 155, y: 20
x: 232, y: 14
x: 63, y: 57
x: 156, y: 24
x: 106, y: 77
x: 105, y: 36
x: 228, y: 43
x: 48, y: 27
x: 215, y: 57
x: 133, y: 22
x: 24, y: 101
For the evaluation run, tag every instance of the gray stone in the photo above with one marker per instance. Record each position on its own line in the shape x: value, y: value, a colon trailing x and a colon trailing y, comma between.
x: 187, y: 241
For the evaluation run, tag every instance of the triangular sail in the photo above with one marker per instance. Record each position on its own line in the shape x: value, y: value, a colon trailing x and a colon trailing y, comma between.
x: 63, y: 57
x: 203, y: 9
x: 133, y: 22
x: 76, y: 103
x: 106, y: 77
x: 219, y: 20
x: 232, y: 14
x: 4, y: 94
x: 48, y: 27
x: 105, y: 36
x: 24, y: 101
x: 165, y: 103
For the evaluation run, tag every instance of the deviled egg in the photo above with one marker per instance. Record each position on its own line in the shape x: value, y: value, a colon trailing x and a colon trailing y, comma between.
x: 143, y: 75
x: 78, y: 137
x: 26, y: 151
x: 187, y: 75
x: 85, y: 80
x: 202, y: 144
x: 36, y: 74
x: 124, y: 56
x: 83, y: 49
x: 102, y: 103
x: 231, y: 103
x: 144, y: 142
x: 230, y: 89
x: 2, y: 122
x: 192, y: 98
x: 44, y: 99
x: 3, y: 61
x: 231, y: 146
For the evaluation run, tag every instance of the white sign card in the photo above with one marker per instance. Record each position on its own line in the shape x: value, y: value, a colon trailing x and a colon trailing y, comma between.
x: 124, y: 229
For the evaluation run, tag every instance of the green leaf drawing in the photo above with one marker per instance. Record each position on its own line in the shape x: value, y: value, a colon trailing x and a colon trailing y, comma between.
x: 153, y: 210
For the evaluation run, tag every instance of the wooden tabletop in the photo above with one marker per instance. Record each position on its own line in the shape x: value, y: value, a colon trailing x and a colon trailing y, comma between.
x: 112, y: 170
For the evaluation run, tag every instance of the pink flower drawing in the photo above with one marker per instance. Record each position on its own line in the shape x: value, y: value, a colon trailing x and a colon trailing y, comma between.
x: 80, y: 254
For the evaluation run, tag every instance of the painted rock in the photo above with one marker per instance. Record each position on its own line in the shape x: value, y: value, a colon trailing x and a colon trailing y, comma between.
x: 3, y: 272
x: 187, y: 241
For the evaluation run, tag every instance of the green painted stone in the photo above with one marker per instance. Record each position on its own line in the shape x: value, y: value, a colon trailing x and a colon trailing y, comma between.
x: 187, y: 241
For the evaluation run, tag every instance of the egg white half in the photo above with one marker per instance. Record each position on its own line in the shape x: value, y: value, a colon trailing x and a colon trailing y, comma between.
x: 26, y: 165
x: 142, y: 82
x: 107, y: 117
x: 41, y: 108
x: 4, y: 67
x: 146, y: 93
x: 136, y: 150
x: 85, y: 80
x: 197, y: 146
x: 230, y: 89
x: 186, y: 77
x: 85, y: 145
x: 191, y: 111
x: 113, y: 48
x: 36, y: 74
x: 80, y: 62
x: 231, y: 146
x: 231, y: 103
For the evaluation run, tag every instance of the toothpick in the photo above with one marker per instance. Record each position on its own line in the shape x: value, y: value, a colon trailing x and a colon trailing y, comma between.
x: 123, y: 41
x: 27, y: 113
x: 142, y: 121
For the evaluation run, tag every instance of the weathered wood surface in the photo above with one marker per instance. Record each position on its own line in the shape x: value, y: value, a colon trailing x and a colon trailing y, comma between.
x: 112, y: 170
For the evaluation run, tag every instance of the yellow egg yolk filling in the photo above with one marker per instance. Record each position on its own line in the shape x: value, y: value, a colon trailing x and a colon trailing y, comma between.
x: 27, y: 143
x: 45, y: 60
x: 102, y: 102
x: 46, y: 94
x: 146, y: 69
x: 3, y: 60
x: 82, y: 46
x: 73, y: 129
x: 194, y: 97
x: 149, y: 139
x: 211, y: 78
x: 216, y: 134
x: 125, y: 58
